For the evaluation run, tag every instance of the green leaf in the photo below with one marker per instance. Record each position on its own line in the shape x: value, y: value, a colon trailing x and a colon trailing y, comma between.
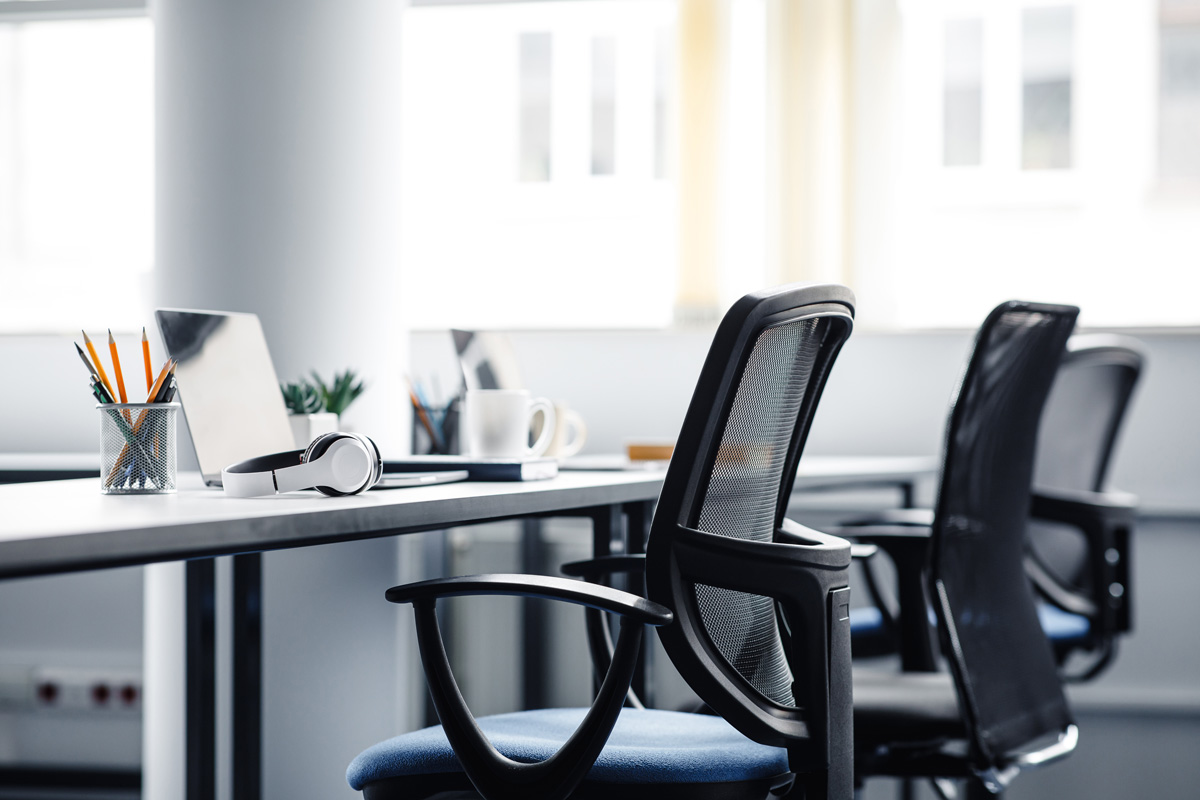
x: 338, y: 395
x: 302, y: 397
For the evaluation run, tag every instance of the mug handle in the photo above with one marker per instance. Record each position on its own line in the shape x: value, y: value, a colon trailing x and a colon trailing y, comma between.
x: 578, y: 433
x: 543, y: 441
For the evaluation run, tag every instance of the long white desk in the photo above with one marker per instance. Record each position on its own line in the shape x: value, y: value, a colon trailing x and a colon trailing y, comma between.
x: 63, y: 526
x: 68, y: 525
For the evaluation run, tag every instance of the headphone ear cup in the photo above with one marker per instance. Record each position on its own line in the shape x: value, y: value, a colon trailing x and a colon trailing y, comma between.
x: 366, y: 450
x: 376, y: 459
x: 318, y: 446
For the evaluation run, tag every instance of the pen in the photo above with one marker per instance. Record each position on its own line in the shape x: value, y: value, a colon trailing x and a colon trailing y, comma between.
x: 112, y: 348
x: 161, y: 395
x: 101, y: 393
x: 146, y: 360
x: 99, y: 366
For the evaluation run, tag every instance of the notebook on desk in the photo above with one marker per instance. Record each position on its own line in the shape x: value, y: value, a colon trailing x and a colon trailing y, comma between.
x: 478, y: 469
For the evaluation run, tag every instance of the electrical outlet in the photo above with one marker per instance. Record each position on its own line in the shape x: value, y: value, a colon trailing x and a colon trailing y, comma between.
x: 77, y: 690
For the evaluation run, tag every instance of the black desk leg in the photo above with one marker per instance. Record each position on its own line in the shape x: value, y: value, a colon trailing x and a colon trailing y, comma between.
x: 637, y: 533
x: 247, y: 677
x: 200, y: 680
x: 534, y: 667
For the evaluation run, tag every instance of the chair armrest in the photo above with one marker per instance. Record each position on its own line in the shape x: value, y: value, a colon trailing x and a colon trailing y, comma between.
x: 604, y: 598
x: 1106, y: 520
x: 1079, y: 507
x: 493, y: 774
x: 592, y: 568
x: 919, y: 517
x: 792, y: 532
x: 907, y: 545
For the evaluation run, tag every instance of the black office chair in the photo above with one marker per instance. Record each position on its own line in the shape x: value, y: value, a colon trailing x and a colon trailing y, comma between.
x: 1001, y: 707
x: 753, y: 611
x: 1080, y: 533
x: 1079, y: 546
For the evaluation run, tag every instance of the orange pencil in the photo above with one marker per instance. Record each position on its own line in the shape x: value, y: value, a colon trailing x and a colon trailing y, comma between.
x: 112, y: 348
x: 146, y: 360
x: 162, y: 376
x: 99, y: 367
x: 137, y: 426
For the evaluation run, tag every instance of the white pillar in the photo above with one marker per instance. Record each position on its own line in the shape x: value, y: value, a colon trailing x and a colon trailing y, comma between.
x: 278, y: 194
x: 278, y: 186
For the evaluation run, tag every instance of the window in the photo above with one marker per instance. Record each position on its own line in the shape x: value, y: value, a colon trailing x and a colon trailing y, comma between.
x: 580, y: 231
x: 604, y: 105
x: 1046, y: 87
x: 962, y: 112
x: 76, y: 171
x: 536, y: 54
x: 1179, y: 92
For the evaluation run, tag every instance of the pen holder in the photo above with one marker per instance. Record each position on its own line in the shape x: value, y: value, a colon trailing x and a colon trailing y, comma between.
x: 137, y: 448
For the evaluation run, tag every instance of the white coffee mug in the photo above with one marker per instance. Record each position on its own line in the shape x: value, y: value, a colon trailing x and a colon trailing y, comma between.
x: 570, y: 432
x: 496, y: 423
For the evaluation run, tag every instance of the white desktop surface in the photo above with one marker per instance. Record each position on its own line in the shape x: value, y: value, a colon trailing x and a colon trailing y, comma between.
x: 58, y: 526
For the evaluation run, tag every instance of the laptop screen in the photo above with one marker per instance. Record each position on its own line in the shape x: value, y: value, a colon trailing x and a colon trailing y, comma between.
x: 227, y: 387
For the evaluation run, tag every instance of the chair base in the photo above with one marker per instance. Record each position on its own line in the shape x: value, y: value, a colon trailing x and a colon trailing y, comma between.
x: 456, y: 786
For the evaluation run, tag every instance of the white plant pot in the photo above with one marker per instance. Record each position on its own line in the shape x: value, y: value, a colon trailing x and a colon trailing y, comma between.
x: 306, y: 427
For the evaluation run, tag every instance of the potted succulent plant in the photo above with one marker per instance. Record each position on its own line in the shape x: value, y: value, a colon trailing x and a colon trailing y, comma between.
x: 338, y: 395
x: 314, y: 407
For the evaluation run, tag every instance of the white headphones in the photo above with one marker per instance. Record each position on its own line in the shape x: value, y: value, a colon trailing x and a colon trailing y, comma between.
x: 335, y: 464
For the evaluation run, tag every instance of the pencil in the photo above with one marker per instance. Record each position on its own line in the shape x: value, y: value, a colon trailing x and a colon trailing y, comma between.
x: 112, y: 348
x: 162, y: 376
x: 434, y: 440
x: 87, y: 340
x: 87, y: 363
x: 146, y: 359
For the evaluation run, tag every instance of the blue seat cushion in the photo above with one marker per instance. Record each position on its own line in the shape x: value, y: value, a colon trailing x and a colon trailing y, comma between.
x: 1059, y: 625
x: 1062, y: 626
x: 865, y: 621
x: 646, y: 746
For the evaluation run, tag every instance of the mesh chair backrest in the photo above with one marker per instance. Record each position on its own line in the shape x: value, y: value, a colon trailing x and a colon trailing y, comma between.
x: 1002, y: 663
x: 1084, y: 412
x: 735, y: 460
x: 1083, y: 416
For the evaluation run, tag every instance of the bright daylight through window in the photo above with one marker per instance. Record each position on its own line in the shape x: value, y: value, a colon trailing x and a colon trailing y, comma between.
x: 76, y: 171
x: 630, y: 163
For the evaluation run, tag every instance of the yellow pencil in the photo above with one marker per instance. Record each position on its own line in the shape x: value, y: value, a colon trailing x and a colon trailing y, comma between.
x: 146, y: 360
x: 112, y: 348
x: 99, y: 367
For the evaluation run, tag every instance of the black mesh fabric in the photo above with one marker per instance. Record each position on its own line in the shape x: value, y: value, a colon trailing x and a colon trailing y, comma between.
x: 1000, y: 657
x: 742, y: 495
x: 1083, y: 413
x: 1079, y: 427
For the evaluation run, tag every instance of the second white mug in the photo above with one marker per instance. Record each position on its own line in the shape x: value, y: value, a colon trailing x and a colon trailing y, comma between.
x: 496, y: 423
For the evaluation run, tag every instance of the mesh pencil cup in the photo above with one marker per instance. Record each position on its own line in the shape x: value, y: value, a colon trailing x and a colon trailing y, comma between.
x: 137, y: 448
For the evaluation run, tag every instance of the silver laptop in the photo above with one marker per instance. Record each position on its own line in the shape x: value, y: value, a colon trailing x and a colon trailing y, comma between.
x: 230, y: 392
